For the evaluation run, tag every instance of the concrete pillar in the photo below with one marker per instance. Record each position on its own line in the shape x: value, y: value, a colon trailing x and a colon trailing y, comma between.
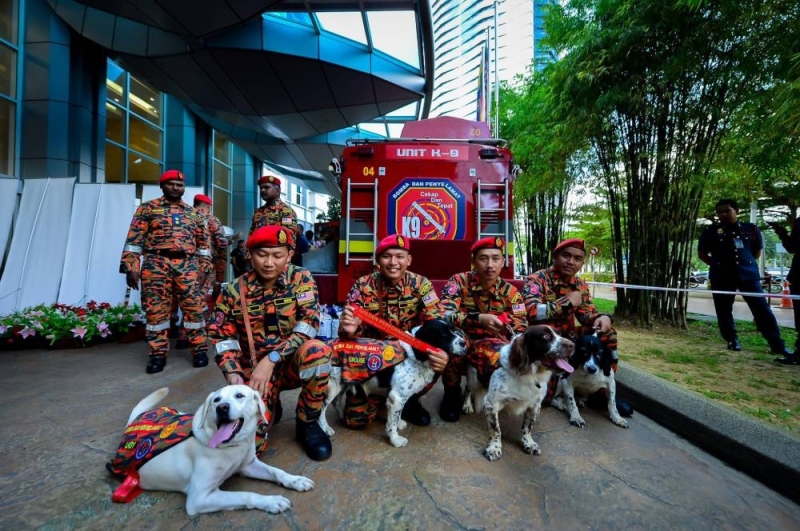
x: 63, y: 95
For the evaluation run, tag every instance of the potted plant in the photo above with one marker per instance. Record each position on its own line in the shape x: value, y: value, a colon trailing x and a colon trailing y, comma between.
x: 63, y: 326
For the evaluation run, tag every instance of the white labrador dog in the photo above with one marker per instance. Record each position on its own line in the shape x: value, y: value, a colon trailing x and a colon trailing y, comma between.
x: 222, y: 444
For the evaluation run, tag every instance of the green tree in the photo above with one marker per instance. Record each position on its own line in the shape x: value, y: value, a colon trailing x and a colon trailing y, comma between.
x: 653, y: 87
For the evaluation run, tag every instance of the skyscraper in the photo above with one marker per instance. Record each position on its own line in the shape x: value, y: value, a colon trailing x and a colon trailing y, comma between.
x: 462, y: 28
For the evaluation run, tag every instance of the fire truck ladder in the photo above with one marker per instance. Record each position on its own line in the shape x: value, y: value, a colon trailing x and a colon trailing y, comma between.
x: 373, y: 187
x: 506, y: 234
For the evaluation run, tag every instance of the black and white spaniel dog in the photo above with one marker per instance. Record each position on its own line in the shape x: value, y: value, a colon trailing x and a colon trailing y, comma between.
x: 406, y: 378
x: 520, y: 383
x: 593, y: 371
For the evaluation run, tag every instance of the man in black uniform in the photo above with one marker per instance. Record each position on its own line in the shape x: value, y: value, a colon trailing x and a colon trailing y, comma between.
x: 731, y: 249
x: 792, y: 244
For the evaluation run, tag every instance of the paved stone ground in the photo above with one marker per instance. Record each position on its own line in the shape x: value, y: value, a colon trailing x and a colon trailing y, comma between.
x: 63, y: 412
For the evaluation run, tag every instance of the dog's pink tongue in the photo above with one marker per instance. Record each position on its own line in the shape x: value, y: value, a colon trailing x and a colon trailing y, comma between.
x: 224, y: 433
x: 564, y: 365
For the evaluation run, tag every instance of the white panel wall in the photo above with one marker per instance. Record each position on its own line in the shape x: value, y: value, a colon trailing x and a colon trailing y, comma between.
x: 36, y: 258
x: 8, y: 200
x: 101, y: 215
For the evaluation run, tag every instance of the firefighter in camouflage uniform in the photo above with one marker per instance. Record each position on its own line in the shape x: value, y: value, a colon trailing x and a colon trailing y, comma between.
x: 219, y: 253
x: 489, y: 310
x: 282, y: 317
x: 556, y: 296
x: 405, y: 300
x: 273, y: 211
x: 177, y: 259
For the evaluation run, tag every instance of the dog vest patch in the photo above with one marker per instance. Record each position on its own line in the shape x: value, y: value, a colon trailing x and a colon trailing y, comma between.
x: 148, y: 435
x: 361, y: 359
x: 485, y: 357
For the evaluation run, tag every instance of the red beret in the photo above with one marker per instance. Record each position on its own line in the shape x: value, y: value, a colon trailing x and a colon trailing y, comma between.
x: 171, y: 175
x: 572, y: 242
x: 269, y: 179
x: 393, y: 241
x: 493, y: 242
x: 202, y: 199
x: 271, y: 236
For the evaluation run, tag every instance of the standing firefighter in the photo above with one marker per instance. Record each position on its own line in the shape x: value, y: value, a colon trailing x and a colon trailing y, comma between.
x: 263, y: 337
x: 273, y: 211
x: 172, y: 238
x: 219, y: 252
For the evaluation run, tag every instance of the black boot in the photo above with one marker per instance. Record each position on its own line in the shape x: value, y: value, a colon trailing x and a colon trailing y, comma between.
x: 200, y: 360
x: 156, y: 364
x: 414, y: 413
x: 277, y: 414
x: 181, y: 344
x: 790, y: 359
x: 734, y: 345
x: 599, y: 402
x: 314, y: 441
x: 450, y: 410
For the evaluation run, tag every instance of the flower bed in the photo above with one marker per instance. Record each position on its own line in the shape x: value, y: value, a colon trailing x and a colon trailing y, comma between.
x: 64, y: 326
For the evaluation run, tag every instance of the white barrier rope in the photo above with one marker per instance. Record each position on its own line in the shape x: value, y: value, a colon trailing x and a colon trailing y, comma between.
x: 695, y: 290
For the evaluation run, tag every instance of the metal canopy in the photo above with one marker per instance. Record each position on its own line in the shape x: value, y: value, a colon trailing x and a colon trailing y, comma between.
x: 287, y: 92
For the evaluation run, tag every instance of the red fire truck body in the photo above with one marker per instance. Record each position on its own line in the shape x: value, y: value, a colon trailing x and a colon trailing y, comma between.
x: 444, y: 184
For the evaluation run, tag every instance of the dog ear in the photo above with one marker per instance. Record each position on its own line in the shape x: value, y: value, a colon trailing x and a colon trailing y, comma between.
x: 262, y: 409
x: 606, y: 360
x: 203, y: 412
x: 518, y: 354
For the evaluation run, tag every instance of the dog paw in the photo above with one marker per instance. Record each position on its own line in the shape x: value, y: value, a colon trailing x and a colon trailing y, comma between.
x: 398, y: 441
x: 467, y: 408
x: 558, y: 404
x: 493, y: 452
x: 530, y: 447
x: 330, y: 432
x: 579, y: 422
x: 300, y: 484
x: 621, y: 422
x: 275, y: 504
x: 401, y: 424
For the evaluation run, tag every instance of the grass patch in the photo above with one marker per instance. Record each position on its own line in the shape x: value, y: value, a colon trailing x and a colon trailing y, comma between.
x: 697, y: 359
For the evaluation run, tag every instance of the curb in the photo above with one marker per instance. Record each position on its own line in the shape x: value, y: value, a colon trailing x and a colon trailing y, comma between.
x: 769, y: 455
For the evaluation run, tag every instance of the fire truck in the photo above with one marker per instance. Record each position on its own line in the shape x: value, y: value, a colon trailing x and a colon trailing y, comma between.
x: 444, y: 184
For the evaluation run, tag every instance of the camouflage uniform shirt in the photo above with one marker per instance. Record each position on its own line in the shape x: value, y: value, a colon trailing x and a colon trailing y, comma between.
x: 282, y: 319
x: 545, y: 294
x: 464, y: 299
x: 278, y: 213
x: 405, y: 305
x: 164, y: 226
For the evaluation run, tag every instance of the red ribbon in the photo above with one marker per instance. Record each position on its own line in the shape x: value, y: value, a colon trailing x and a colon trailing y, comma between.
x: 388, y: 328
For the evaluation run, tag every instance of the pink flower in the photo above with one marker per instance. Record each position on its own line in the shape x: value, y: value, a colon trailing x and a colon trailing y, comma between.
x: 3, y: 329
x: 37, y: 313
x: 79, y: 331
x: 103, y: 329
x: 27, y: 332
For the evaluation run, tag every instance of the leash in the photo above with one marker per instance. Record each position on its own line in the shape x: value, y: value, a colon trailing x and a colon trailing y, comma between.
x: 246, y: 317
x: 392, y: 330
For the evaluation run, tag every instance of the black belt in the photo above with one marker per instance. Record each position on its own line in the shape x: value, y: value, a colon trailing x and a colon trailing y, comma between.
x: 166, y: 253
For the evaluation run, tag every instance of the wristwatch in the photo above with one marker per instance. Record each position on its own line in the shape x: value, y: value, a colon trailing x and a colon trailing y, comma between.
x: 274, y: 357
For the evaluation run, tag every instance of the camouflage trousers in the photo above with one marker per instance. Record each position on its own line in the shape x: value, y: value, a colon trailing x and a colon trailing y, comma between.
x: 208, y: 306
x: 308, y: 369
x: 162, y: 280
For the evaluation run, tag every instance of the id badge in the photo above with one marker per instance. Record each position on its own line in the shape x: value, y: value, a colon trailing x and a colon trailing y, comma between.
x: 271, y: 322
x: 738, y: 243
